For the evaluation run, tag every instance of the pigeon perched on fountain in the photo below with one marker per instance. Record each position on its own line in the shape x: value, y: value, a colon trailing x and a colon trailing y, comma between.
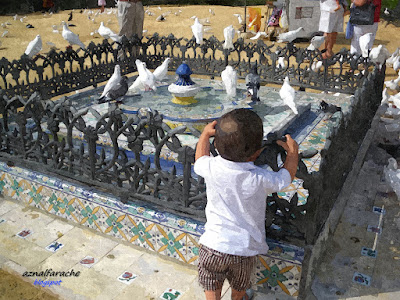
x: 316, y: 42
x: 107, y: 33
x: 316, y: 65
x: 146, y: 78
x: 229, y: 34
x: 229, y: 79
x: 161, y: 71
x: 197, y: 29
x: 289, y: 36
x: 116, y: 86
x: 288, y: 95
x: 253, y: 83
x: 34, y: 46
x: 71, y: 38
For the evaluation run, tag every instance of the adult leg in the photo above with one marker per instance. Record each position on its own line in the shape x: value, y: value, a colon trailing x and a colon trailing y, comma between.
x: 138, y: 24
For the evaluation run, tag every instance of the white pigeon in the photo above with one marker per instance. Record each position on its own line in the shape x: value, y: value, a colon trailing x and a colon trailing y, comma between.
x: 393, y: 84
x: 34, y: 46
x: 107, y: 33
x: 4, y: 33
x: 258, y: 35
x: 386, y: 12
x: 15, y: 17
x: 70, y: 37
x: 316, y: 42
x: 229, y: 78
x: 316, y: 65
x: 161, y: 71
x: 364, y: 42
x: 396, y: 64
x: 385, y: 96
x: 114, y: 79
x: 145, y: 78
x: 393, y: 57
x: 288, y: 94
x: 392, y: 175
x: 240, y: 20
x: 197, y: 29
x: 229, y: 34
x: 379, y: 55
x: 289, y: 36
x: 55, y: 29
x: 281, y: 64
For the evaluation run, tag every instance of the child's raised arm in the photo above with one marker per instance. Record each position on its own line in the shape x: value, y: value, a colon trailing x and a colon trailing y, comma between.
x: 292, y: 159
x: 203, y: 145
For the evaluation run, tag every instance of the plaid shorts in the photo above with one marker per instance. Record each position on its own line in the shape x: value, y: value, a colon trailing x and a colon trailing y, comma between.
x: 214, y: 267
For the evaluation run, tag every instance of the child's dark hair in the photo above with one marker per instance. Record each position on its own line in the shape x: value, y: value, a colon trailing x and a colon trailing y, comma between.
x: 238, y: 134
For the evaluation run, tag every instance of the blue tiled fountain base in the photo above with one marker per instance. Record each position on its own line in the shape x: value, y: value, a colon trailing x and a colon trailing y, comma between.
x: 140, y: 224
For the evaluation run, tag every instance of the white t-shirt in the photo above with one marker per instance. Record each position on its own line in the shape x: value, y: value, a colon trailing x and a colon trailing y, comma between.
x: 236, y: 202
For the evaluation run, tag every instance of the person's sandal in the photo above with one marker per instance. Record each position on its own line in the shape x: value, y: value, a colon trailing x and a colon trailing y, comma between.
x: 249, y: 294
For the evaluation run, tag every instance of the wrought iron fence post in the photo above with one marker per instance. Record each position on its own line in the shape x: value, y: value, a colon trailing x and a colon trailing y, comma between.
x: 91, y: 138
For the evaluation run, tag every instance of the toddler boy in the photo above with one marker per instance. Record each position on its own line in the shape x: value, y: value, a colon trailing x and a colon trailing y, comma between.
x: 236, y: 200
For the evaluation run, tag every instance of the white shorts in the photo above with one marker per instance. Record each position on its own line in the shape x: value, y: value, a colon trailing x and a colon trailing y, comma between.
x: 331, y: 21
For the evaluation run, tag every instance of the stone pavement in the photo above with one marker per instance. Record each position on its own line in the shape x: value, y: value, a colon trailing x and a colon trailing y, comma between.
x: 348, y: 272
x: 155, y: 274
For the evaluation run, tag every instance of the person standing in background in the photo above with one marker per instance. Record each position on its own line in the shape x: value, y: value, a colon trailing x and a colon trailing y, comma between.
x: 130, y: 19
x: 360, y: 30
x: 101, y: 4
x: 330, y: 23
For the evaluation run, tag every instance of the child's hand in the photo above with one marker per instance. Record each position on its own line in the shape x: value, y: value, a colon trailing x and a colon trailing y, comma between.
x: 209, y: 130
x: 290, y: 146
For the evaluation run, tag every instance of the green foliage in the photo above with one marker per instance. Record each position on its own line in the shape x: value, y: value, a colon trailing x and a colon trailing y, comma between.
x: 390, y: 4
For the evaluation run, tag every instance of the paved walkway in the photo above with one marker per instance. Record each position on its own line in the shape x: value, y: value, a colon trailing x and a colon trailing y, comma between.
x: 155, y: 274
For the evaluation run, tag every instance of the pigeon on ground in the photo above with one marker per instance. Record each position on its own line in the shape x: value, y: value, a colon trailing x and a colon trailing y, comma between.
x: 329, y: 108
x: 116, y: 86
x: 258, y: 35
x: 288, y: 95
x: 70, y: 37
x: 160, y: 18
x: 145, y: 78
x: 253, y: 83
x: 161, y: 71
x: 70, y: 16
x: 211, y: 11
x: 393, y: 57
x: 229, y: 78
x: 281, y: 64
x: 197, y: 29
x: 379, y: 55
x: 396, y: 64
x: 364, y: 42
x: 229, y: 34
x: 107, y: 33
x: 393, y: 84
x: 289, y: 36
x: 4, y: 33
x: 316, y: 65
x: 34, y: 46
x: 316, y: 42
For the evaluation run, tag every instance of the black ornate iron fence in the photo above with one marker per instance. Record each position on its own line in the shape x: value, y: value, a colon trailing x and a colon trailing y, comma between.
x: 61, y: 72
x: 31, y: 136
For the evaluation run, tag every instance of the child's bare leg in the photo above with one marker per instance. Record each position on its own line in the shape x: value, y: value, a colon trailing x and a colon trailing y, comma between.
x: 213, y: 295
x: 238, y: 295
